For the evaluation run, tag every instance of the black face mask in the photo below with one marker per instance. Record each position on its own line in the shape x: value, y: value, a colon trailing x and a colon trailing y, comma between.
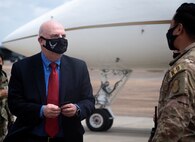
x: 1, y: 67
x: 171, y: 38
x: 58, y: 45
x: 176, y: 53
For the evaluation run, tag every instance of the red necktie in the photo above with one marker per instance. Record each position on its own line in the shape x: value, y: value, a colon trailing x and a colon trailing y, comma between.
x: 51, y: 124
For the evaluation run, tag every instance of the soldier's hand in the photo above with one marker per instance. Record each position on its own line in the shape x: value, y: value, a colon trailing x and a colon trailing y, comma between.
x: 69, y: 110
x: 51, y: 110
x: 3, y: 93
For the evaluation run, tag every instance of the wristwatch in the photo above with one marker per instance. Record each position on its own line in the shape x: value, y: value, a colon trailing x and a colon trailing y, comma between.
x: 77, y: 111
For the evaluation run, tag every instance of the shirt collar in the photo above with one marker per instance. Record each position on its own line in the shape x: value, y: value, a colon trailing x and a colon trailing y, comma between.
x: 189, y: 46
x: 192, y: 45
x: 46, y: 62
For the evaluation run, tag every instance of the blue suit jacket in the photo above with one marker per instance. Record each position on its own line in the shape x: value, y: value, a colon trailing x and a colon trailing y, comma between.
x: 27, y: 93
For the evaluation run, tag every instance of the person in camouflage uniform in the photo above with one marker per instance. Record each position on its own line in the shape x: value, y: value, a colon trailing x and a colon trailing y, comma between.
x: 6, y: 118
x: 176, y: 108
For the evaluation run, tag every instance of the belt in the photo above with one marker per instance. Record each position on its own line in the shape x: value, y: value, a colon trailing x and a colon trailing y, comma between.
x: 45, y: 139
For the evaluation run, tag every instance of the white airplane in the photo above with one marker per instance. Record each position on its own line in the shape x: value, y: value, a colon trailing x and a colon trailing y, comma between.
x: 115, y: 36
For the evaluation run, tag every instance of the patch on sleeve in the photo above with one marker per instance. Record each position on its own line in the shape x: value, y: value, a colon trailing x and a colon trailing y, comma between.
x: 175, y: 86
x: 175, y: 70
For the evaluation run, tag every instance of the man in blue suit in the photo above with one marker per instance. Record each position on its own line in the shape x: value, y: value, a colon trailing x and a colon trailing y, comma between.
x: 49, y: 109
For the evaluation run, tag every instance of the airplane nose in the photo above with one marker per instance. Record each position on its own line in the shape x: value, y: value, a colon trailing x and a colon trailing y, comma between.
x: 23, y: 32
x: 25, y: 35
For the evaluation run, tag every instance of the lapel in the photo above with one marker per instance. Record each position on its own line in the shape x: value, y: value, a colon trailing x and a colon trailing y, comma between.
x: 39, y: 77
x: 64, y: 76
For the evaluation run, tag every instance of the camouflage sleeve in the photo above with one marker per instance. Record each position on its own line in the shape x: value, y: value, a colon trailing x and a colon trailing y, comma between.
x: 11, y: 118
x: 3, y: 84
x: 175, y: 115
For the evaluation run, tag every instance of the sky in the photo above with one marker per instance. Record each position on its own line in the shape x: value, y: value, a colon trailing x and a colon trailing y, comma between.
x: 15, y: 13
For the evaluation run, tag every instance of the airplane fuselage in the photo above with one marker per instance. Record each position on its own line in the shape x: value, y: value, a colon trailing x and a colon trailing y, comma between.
x: 111, y: 34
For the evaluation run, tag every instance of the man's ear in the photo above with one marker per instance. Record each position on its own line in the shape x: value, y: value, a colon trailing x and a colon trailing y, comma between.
x: 179, y: 30
x: 40, y: 39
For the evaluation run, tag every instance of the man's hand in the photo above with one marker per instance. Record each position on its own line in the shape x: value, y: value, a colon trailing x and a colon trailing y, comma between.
x: 51, y: 110
x: 69, y: 110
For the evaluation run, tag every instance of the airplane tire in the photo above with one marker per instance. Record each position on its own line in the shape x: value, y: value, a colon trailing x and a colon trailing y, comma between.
x: 109, y: 125
x: 99, y: 120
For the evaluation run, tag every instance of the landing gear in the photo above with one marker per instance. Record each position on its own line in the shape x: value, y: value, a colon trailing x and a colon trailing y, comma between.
x: 102, y: 118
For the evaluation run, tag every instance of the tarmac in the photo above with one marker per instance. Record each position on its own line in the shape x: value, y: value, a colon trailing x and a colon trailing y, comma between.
x: 124, y: 129
x: 133, y: 107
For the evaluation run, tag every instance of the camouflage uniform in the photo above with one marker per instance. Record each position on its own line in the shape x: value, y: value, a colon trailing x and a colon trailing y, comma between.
x: 176, y: 109
x: 6, y: 116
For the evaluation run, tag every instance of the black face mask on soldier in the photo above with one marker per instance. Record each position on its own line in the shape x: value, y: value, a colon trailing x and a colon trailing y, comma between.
x: 175, y: 53
x: 171, y: 38
x: 57, y: 45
